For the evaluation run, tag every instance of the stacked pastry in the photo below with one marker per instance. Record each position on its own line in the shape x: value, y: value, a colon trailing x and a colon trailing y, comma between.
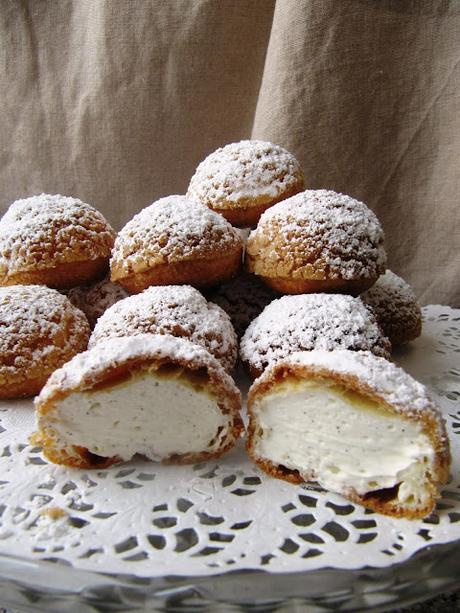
x: 327, y: 405
x: 46, y: 242
x: 316, y: 311
x: 157, y: 380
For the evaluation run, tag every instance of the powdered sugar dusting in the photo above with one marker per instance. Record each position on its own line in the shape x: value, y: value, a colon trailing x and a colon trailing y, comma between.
x: 95, y: 299
x: 172, y: 229
x: 311, y: 321
x: 80, y: 373
x: 394, y: 304
x: 319, y: 231
x: 46, y: 230
x: 39, y: 328
x: 179, y: 310
x: 249, y: 169
x: 384, y: 378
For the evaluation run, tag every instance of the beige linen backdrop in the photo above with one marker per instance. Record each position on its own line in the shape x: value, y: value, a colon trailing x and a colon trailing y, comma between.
x: 117, y: 101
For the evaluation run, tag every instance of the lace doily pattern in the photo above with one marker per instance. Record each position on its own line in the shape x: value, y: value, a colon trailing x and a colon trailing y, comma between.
x: 152, y: 520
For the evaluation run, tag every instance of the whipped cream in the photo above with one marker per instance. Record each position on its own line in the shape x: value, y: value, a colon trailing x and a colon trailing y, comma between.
x: 342, y: 440
x: 152, y: 415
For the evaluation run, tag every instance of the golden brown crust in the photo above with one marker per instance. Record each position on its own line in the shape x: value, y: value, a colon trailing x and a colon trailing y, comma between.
x: 381, y: 501
x: 313, y: 286
x: 23, y: 389
x: 29, y: 381
x: 242, y: 180
x: 251, y: 370
x: 62, y: 276
x: 175, y: 241
x: 80, y: 457
x: 201, y: 370
x: 53, y: 240
x: 314, y: 236
x: 272, y: 252
x: 245, y: 213
x: 198, y: 273
x: 41, y: 331
x: 76, y: 457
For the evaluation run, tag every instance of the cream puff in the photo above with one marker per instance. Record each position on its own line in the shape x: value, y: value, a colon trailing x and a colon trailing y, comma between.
x: 317, y: 241
x: 179, y: 310
x: 40, y: 330
x: 155, y: 395
x: 242, y: 180
x: 396, y: 308
x: 175, y: 241
x: 354, y: 423
x: 307, y: 322
x: 53, y: 240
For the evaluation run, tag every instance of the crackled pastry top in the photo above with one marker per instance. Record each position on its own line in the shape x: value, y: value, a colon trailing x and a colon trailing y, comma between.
x: 172, y: 229
x: 39, y: 330
x: 318, y: 234
x: 307, y: 322
x: 47, y: 230
x: 179, y: 310
x: 242, y: 172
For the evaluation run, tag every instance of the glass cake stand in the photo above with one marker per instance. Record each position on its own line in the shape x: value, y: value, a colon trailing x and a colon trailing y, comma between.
x: 221, y: 536
x: 44, y: 586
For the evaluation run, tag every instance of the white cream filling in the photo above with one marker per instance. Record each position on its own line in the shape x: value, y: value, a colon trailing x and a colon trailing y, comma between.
x: 343, y: 440
x: 150, y: 415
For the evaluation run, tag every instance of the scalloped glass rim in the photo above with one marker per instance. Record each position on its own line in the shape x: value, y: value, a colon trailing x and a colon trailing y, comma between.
x: 26, y: 585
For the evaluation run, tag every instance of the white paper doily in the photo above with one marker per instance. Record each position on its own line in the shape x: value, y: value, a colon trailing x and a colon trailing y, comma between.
x: 151, y: 520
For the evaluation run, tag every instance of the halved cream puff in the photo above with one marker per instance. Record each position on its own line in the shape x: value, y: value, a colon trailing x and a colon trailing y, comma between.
x: 354, y: 423
x: 155, y: 395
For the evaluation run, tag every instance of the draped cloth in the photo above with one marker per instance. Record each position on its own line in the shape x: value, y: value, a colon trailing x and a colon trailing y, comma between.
x: 117, y: 101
